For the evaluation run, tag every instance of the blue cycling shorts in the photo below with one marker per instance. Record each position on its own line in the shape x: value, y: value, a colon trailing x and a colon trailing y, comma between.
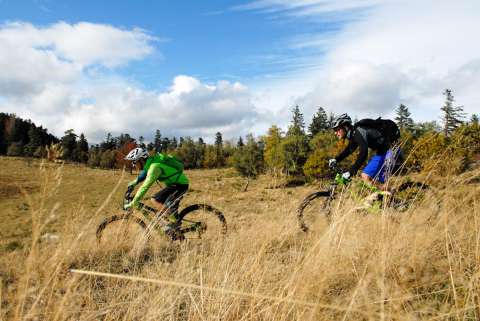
x: 380, y: 166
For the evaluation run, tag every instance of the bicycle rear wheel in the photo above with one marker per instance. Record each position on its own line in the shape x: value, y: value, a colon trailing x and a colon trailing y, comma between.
x: 314, y: 211
x: 414, y: 196
x: 122, y: 231
x: 202, y: 221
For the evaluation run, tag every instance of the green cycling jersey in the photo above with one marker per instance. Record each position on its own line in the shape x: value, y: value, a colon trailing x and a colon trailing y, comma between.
x: 155, y: 170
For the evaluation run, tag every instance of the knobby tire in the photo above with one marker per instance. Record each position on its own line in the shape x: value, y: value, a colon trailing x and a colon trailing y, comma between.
x: 189, y: 210
x: 304, y: 226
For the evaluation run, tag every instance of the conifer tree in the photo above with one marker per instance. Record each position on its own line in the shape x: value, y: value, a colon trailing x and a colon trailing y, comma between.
x: 220, y: 157
x: 35, y: 140
x: 157, y: 141
x: 240, y: 142
x: 319, y: 122
x: 173, y: 143
x: 141, y: 141
x: 452, y: 115
x: 331, y: 119
x: 108, y: 144
x: 297, y: 126
x: 201, y: 146
x: 403, y: 119
x: 295, y: 146
x: 248, y: 159
x: 81, y: 150
x: 187, y: 152
x: 69, y: 142
x: 474, y: 119
x: 165, y: 143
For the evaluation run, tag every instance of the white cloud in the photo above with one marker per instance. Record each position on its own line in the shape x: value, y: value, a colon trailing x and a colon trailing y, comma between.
x: 46, y: 77
x: 82, y: 43
x: 307, y: 7
x: 398, y: 52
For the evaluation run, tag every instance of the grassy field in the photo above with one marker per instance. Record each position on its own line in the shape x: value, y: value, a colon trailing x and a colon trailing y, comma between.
x: 418, y: 265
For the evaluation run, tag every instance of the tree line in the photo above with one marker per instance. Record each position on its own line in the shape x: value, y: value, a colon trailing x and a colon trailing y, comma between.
x: 299, y: 151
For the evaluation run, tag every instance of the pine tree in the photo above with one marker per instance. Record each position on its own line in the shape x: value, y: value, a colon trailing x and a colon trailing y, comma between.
x: 141, y: 141
x: 173, y: 143
x: 403, y: 119
x: 295, y: 146
x: 474, y: 119
x: 331, y: 120
x: 220, y: 157
x: 35, y: 140
x: 201, y: 146
x: 240, y: 143
x: 123, y: 139
x: 150, y: 147
x: 319, y: 122
x: 248, y: 159
x: 108, y: 144
x: 297, y: 126
x: 69, y: 142
x: 452, y: 115
x: 187, y: 153
x: 157, y: 141
x: 165, y: 143
x: 81, y: 150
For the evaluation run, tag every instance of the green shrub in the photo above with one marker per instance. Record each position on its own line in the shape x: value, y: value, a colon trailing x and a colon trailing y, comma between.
x: 15, y: 149
x: 325, y: 146
x: 452, y: 155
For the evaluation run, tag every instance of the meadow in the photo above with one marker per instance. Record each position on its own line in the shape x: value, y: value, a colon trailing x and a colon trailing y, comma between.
x: 422, y: 264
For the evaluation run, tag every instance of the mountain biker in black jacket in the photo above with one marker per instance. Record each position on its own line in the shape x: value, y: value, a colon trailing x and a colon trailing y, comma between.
x: 379, y: 166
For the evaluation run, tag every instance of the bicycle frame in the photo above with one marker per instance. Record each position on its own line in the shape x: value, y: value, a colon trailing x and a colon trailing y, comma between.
x: 151, y: 214
x: 339, y: 180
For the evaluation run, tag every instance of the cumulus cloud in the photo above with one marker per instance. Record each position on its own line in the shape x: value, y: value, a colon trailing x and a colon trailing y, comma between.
x: 401, y: 51
x: 45, y: 77
x: 32, y: 58
x: 188, y: 108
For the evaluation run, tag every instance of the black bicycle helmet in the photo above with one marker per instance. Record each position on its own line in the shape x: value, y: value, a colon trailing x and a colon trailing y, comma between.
x: 342, y: 120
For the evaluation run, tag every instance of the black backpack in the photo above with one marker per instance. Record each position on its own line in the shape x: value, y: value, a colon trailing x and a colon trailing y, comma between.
x: 388, y: 128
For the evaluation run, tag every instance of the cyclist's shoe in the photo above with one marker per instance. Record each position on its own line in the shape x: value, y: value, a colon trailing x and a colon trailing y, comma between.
x: 172, y: 231
x: 371, y: 199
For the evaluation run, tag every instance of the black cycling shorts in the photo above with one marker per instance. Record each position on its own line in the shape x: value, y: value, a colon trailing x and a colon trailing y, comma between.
x: 171, y: 195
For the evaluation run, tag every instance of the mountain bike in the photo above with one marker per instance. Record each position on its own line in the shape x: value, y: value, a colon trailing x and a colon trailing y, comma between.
x: 191, y: 222
x: 318, y: 205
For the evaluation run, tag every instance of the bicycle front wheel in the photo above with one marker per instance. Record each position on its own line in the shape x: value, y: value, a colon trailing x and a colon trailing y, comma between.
x: 122, y: 231
x: 202, y: 221
x: 314, y: 211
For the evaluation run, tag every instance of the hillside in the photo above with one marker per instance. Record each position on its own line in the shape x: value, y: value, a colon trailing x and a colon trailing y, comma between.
x: 416, y: 265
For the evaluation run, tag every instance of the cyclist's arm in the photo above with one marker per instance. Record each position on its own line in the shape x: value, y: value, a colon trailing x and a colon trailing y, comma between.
x: 140, y: 178
x: 153, y: 174
x: 363, y: 152
x: 351, y: 147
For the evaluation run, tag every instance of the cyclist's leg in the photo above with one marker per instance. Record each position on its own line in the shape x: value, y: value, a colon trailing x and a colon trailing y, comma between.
x: 372, y: 173
x: 159, y: 200
x: 168, y: 199
x: 173, y: 201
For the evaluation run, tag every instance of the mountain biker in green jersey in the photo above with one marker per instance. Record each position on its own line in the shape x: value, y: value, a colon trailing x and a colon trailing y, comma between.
x: 166, y: 200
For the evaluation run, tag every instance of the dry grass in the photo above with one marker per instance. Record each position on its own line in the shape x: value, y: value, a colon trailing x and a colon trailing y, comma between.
x: 415, y: 266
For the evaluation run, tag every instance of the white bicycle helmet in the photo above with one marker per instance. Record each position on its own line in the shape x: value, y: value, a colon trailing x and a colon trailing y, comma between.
x: 137, y: 153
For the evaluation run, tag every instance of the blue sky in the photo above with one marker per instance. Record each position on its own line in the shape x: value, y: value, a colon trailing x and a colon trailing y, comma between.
x: 210, y: 40
x: 197, y: 67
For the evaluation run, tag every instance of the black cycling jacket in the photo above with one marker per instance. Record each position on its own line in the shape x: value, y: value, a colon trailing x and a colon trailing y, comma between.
x: 363, y: 138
